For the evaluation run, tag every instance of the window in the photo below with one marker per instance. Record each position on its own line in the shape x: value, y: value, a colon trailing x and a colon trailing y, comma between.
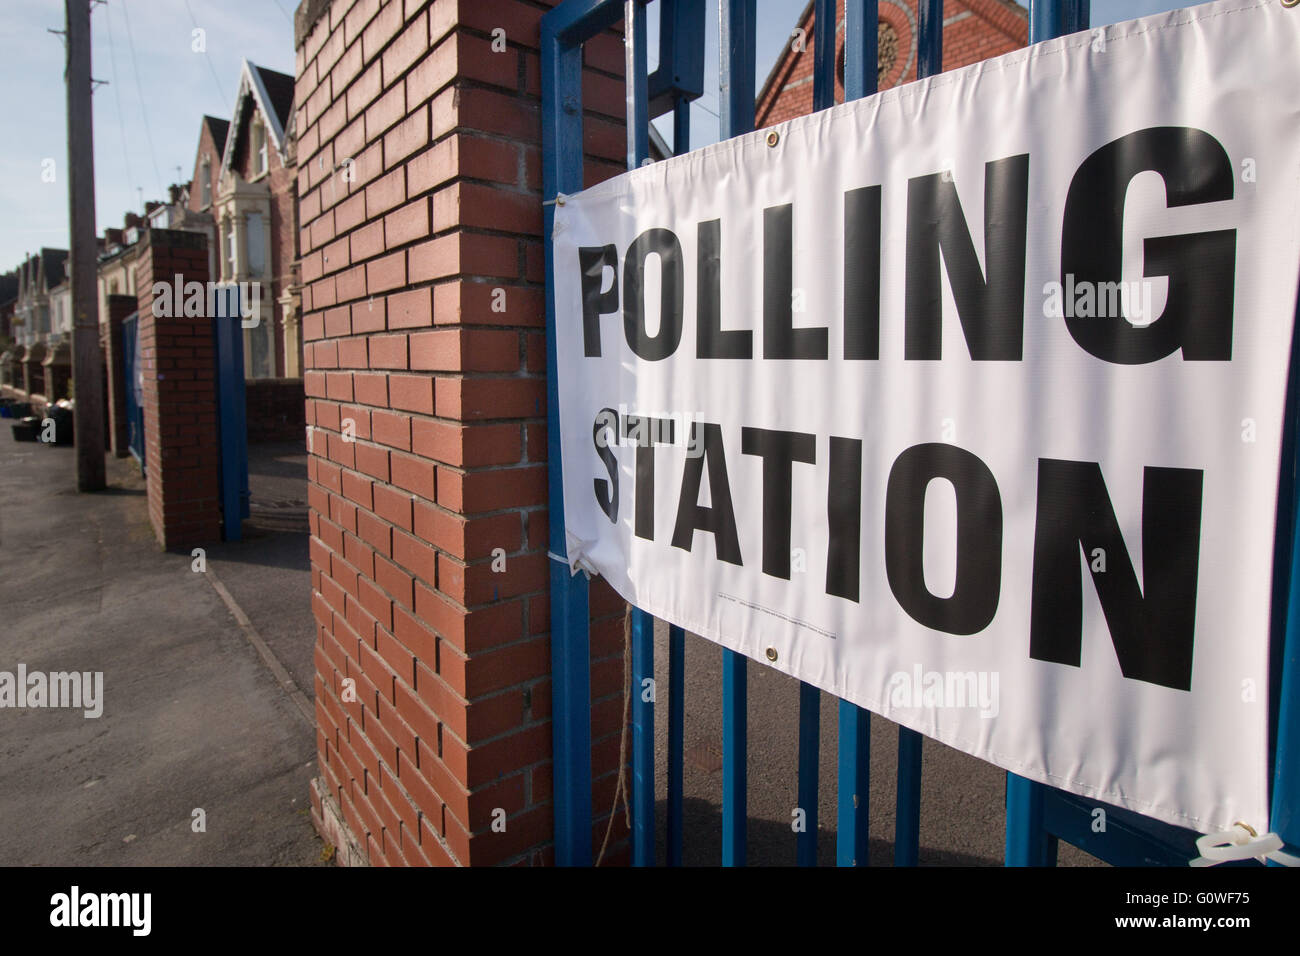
x: 259, y: 348
x: 259, y: 147
x: 228, y: 248
x: 256, y: 243
x: 205, y: 182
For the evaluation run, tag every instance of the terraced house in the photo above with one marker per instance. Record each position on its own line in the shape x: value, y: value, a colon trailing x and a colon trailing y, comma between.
x: 40, y: 317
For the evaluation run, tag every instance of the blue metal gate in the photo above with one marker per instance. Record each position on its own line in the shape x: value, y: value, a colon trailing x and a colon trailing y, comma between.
x: 131, y: 376
x: 1037, y: 815
x: 228, y: 338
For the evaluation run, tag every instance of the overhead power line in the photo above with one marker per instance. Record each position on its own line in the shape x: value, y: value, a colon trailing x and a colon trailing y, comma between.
x: 117, y: 96
x: 211, y: 69
x: 139, y: 87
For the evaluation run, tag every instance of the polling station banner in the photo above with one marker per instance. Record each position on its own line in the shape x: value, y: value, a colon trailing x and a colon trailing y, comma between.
x: 964, y: 402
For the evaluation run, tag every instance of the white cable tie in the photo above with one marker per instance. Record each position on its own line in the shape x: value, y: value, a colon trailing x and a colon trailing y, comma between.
x: 574, y: 564
x: 1241, y: 843
x: 557, y: 201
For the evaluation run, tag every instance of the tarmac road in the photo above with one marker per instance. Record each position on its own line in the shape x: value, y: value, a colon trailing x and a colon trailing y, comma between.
x: 963, y: 816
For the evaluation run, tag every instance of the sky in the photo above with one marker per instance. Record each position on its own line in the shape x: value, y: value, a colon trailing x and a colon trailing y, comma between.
x: 147, y: 116
x: 159, y: 85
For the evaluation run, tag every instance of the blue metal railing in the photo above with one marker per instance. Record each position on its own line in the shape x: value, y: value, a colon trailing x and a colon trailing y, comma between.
x: 1037, y: 815
x: 131, y: 371
x: 232, y: 423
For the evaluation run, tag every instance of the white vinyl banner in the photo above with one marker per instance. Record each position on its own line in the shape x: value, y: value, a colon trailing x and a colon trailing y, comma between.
x: 964, y: 402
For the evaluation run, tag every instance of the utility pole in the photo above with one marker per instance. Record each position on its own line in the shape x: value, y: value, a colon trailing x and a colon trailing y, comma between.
x: 86, y: 374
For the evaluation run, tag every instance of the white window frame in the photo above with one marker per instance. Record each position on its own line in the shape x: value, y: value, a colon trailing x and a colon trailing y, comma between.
x: 262, y: 160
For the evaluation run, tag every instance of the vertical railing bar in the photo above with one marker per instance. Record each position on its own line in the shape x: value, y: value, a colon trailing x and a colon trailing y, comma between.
x: 562, y: 172
x: 810, y: 699
x: 736, y: 67
x: 676, y: 740
x: 907, y: 820
x: 1027, y: 840
x: 637, y: 82
x: 823, y: 54
x: 735, y: 742
x: 824, y: 17
x: 929, y: 51
x: 738, y: 39
x: 643, y: 624
x: 643, y: 739
x: 676, y: 636
x: 861, y: 19
x: 861, y: 53
x: 1053, y: 18
x: 851, y: 844
x: 907, y: 814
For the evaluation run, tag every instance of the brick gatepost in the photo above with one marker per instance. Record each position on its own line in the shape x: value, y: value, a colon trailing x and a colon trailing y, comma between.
x: 419, y: 180
x: 177, y: 359
x: 110, y: 340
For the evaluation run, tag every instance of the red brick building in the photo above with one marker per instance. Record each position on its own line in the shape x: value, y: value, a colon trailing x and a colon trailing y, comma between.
x: 254, y: 204
x: 973, y: 30
x: 199, y: 214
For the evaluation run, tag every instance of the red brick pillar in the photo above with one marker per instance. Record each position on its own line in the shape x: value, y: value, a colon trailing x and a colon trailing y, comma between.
x: 419, y: 180
x: 119, y: 307
x: 177, y: 359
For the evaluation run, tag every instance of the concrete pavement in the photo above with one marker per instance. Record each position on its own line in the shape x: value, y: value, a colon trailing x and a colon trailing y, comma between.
x: 192, y: 719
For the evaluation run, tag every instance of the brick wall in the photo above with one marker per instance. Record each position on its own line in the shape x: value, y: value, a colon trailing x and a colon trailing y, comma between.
x: 419, y: 182
x: 274, y: 410
x: 179, y: 396
x: 974, y: 30
x: 208, y: 150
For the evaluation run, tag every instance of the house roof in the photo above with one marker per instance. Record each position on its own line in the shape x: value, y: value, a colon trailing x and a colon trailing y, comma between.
x: 217, y: 128
x: 8, y: 287
x: 272, y: 95
x: 52, y: 264
x: 48, y: 265
x: 279, y: 87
